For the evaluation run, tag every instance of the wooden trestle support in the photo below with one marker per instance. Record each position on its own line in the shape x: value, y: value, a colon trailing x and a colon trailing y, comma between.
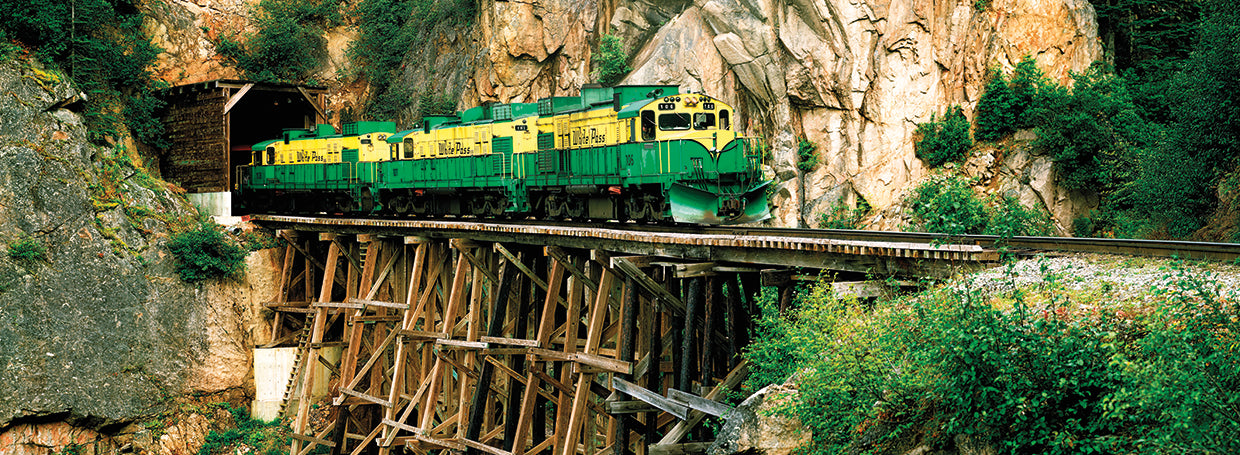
x: 506, y: 349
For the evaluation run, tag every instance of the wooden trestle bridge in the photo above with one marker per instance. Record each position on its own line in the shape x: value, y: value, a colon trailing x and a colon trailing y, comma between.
x: 531, y: 340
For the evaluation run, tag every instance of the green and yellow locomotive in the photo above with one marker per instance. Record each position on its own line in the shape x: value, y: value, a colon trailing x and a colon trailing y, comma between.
x: 644, y: 153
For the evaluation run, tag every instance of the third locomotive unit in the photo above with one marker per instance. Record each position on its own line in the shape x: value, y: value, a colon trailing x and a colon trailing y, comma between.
x: 645, y: 153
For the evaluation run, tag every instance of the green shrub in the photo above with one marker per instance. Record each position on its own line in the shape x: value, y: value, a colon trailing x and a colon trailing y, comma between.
x: 390, y: 32
x: 845, y: 359
x: 450, y: 13
x: 806, y: 158
x: 1045, y: 367
x: 435, y: 104
x: 612, y: 62
x: 994, y: 109
x: 99, y: 44
x: 27, y: 248
x: 249, y: 436
x: 947, y: 204
x: 1183, y: 377
x: 1180, y: 176
x: 1032, y: 382
x: 842, y: 216
x: 1026, y: 81
x: 8, y: 48
x: 944, y: 141
x: 206, y: 252
x: 1005, y: 104
x: 1009, y: 218
x: 386, y: 30
x: 1093, y: 131
x: 287, y: 44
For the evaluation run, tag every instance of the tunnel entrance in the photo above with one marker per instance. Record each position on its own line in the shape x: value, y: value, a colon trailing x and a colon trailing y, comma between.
x: 212, y: 125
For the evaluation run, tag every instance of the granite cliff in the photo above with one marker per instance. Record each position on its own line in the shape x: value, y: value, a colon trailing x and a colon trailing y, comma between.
x: 854, y: 77
x: 98, y: 331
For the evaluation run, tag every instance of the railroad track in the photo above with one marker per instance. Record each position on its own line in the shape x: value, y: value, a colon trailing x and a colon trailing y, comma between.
x: 1020, y: 245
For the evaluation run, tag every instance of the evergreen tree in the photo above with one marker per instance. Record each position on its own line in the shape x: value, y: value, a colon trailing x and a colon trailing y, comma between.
x: 1026, y: 80
x: 612, y: 61
x: 945, y: 140
x: 1203, y: 140
x: 994, y: 110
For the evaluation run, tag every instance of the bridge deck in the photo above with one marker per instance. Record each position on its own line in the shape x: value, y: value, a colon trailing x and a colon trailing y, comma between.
x: 923, y: 259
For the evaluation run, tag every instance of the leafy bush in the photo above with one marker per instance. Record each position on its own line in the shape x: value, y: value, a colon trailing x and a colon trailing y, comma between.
x: 1179, y: 176
x: 612, y: 61
x: 435, y: 104
x: 451, y: 13
x: 947, y: 204
x: 1183, y: 377
x: 288, y: 43
x: 249, y: 436
x: 994, y: 111
x: 206, y: 252
x: 1009, y: 218
x: 944, y: 141
x: 1027, y: 81
x: 806, y: 158
x: 1030, y: 381
x: 1004, y: 104
x: 100, y: 44
x: 1093, y: 131
x: 842, y: 216
x: 385, y: 31
x: 844, y: 359
x: 8, y: 48
x: 27, y: 248
x: 1034, y: 368
x: 390, y: 32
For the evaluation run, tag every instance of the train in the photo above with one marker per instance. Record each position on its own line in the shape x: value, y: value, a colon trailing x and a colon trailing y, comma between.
x: 644, y: 153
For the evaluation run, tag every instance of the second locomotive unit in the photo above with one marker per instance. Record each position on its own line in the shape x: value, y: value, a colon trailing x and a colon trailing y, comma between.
x: 645, y: 153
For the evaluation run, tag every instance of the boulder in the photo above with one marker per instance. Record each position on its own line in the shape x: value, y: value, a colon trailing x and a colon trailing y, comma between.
x: 757, y: 426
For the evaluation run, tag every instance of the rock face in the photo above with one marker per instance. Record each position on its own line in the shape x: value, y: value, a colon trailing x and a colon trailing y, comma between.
x: 856, y: 77
x: 853, y: 77
x: 100, y: 330
x: 187, y: 31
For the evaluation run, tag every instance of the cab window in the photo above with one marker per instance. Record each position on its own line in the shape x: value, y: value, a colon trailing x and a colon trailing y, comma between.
x: 724, y: 124
x: 408, y: 148
x: 647, y: 125
x: 271, y: 155
x: 703, y: 120
x: 674, y: 121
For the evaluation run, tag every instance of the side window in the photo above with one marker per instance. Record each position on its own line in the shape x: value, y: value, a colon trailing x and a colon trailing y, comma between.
x: 647, y: 125
x: 408, y: 148
x: 703, y: 120
x: 271, y: 155
x: 724, y: 124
